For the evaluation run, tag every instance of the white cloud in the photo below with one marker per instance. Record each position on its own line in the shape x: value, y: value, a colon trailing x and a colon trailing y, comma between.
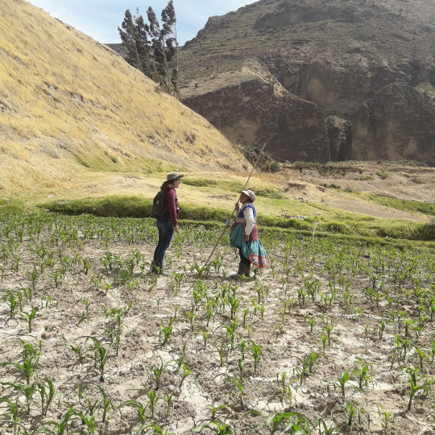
x: 100, y: 18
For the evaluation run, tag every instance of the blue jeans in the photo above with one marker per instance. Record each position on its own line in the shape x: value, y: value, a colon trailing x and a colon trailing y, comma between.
x: 166, y: 231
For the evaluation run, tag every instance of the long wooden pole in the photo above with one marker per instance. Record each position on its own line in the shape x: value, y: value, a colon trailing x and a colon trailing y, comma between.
x: 232, y: 214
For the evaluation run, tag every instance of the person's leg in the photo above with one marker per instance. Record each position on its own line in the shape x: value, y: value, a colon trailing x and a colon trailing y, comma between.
x: 165, y: 240
x: 246, y: 263
x: 244, y: 266
x: 158, y: 243
x: 243, y: 259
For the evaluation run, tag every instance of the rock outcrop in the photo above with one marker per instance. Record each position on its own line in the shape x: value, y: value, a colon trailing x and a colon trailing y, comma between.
x: 398, y: 123
x: 340, y: 79
x: 251, y: 108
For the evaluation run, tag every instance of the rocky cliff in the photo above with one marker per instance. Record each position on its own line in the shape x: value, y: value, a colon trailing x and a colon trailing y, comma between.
x: 319, y: 80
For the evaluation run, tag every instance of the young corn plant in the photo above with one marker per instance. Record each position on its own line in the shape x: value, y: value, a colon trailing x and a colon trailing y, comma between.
x: 157, y: 371
x: 186, y: 372
x: 28, y: 363
x: 14, y: 413
x: 165, y: 332
x: 100, y: 357
x: 256, y: 355
x: 341, y: 384
x: 286, y: 422
x: 216, y: 427
x: 414, y: 388
x: 140, y: 409
x: 362, y: 374
x: 387, y: 418
x: 47, y: 393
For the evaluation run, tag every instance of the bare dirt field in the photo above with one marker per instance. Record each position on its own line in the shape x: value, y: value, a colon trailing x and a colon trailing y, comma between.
x: 331, y: 335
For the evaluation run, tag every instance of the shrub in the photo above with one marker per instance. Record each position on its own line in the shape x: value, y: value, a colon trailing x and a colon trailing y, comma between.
x: 382, y: 175
x: 274, y: 167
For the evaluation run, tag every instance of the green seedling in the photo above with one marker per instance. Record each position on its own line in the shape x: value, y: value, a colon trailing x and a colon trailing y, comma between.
x: 157, y: 371
x: 422, y: 355
x: 222, y: 351
x: 341, y: 384
x: 100, y: 356
x: 362, y: 374
x: 10, y: 299
x: 381, y: 329
x: 312, y: 323
x: 153, y: 398
x: 414, y: 389
x: 351, y: 412
x: 106, y: 402
x: 140, y: 408
x: 216, y: 427
x: 387, y: 418
x: 29, y: 362
x: 185, y: 374
x: 28, y: 391
x: 295, y: 424
x: 169, y: 402
x: 205, y: 336
x: 90, y: 423
x: 328, y: 331
x: 14, y: 413
x: 86, y: 265
x: 325, y: 430
x: 166, y: 330
x: 256, y: 355
x: 47, y: 392
x: 62, y: 426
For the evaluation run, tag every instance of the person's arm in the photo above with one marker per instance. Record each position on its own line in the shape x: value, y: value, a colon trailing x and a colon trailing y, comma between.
x: 172, y: 208
x: 248, y: 214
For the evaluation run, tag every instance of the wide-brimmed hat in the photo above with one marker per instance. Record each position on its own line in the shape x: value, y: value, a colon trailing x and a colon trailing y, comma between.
x: 250, y: 194
x: 173, y: 177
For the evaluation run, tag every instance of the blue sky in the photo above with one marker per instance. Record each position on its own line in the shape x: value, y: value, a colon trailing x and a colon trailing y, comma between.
x: 100, y: 18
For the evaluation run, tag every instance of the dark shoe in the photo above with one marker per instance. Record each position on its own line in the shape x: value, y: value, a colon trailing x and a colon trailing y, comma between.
x: 155, y: 270
x: 240, y: 272
x: 248, y: 270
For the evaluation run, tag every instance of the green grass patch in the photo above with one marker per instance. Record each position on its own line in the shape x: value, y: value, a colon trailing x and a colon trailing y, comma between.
x: 400, y: 204
x: 12, y: 206
x: 199, y: 182
x: 346, y: 225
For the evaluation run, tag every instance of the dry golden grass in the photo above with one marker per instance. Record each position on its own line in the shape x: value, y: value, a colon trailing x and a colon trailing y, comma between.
x: 70, y: 105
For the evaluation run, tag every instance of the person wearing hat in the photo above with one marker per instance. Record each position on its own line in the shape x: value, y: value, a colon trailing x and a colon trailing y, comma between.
x: 244, y: 235
x: 169, y: 222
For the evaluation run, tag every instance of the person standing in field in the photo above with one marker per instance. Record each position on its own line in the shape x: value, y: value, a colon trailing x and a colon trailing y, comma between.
x: 244, y: 236
x: 167, y: 224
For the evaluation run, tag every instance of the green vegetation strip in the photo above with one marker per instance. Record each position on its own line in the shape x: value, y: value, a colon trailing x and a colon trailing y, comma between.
x: 347, y: 225
x: 399, y: 204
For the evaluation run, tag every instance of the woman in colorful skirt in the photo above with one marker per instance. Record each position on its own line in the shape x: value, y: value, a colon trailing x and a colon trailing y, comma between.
x: 244, y: 235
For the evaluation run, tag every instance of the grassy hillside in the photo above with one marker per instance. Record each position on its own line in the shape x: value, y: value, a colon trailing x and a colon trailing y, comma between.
x: 69, y: 105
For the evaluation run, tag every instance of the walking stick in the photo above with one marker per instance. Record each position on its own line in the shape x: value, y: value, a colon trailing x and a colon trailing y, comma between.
x: 232, y: 214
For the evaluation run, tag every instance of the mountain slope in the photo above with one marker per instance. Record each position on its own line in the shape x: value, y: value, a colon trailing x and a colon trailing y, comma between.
x: 338, y: 57
x: 69, y: 105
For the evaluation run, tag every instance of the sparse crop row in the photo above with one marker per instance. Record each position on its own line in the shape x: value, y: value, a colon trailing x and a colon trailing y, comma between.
x: 273, y: 339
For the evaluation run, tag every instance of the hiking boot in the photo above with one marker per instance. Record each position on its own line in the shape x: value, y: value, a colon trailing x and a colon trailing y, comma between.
x: 248, y: 270
x: 155, y: 270
x: 241, y: 272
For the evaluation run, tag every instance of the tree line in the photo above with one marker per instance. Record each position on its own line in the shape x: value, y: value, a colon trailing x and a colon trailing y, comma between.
x: 153, y: 48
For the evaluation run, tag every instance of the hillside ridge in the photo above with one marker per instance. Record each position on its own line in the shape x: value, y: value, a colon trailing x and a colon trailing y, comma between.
x: 340, y: 57
x: 69, y: 106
